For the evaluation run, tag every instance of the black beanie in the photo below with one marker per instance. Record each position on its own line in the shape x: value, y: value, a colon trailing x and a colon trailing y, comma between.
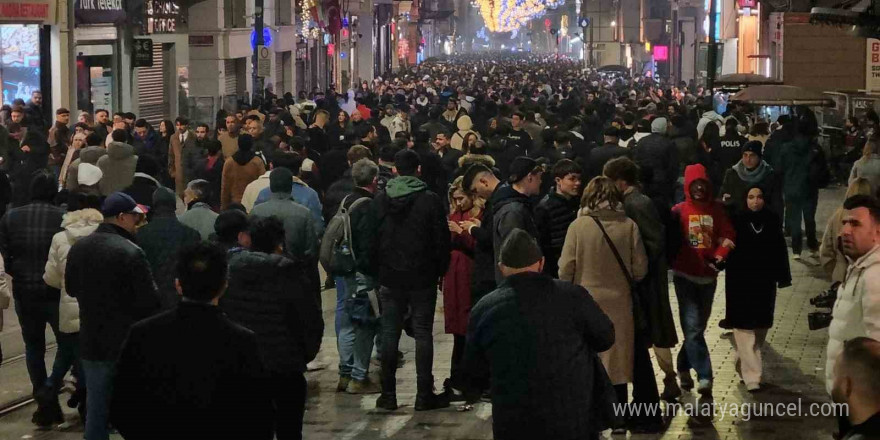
x: 520, y: 250
x: 755, y: 147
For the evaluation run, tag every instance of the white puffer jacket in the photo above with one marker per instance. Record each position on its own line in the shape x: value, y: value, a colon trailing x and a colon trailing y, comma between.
x: 857, y: 309
x: 76, y: 224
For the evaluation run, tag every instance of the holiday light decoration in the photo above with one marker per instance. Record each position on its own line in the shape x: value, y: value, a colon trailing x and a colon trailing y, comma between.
x: 510, y: 15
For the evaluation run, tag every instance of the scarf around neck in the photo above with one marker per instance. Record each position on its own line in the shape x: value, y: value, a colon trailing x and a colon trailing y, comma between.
x: 755, y: 175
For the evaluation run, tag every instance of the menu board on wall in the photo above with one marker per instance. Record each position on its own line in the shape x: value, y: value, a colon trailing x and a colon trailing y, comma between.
x: 19, y: 61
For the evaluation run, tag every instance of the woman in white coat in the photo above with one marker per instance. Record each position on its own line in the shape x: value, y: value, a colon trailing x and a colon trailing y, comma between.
x: 82, y: 218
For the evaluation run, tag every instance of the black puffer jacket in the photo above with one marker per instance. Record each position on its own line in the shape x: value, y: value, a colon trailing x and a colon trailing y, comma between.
x: 412, y: 245
x: 110, y: 277
x: 266, y: 295
x: 512, y: 210
x: 335, y: 193
x: 553, y: 215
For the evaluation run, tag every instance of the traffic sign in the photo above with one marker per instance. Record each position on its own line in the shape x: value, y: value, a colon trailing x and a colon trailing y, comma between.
x: 264, y: 69
x: 584, y: 22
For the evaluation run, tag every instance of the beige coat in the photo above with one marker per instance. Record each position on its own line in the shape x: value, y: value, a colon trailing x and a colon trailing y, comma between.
x: 588, y: 261
x: 832, y: 260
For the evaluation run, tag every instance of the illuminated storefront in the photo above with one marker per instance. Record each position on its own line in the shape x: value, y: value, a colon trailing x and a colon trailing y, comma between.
x: 24, y: 51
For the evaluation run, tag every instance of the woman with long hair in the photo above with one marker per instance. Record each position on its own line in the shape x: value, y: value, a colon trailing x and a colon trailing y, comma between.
x: 603, y: 252
x: 457, y: 282
x: 868, y: 166
x: 163, y: 145
x: 337, y: 129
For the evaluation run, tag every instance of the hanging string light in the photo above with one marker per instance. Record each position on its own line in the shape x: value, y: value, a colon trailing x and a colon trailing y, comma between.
x: 306, y: 18
x: 509, y: 15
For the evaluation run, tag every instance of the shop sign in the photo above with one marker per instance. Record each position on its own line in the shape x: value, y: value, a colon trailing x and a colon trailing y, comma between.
x: 99, y: 11
x: 201, y: 40
x: 264, y: 68
x: 747, y: 4
x: 161, y: 17
x: 872, y: 65
x: 27, y: 11
x: 142, y: 53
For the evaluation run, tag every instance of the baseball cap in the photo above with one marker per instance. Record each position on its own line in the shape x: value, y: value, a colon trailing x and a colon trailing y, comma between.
x: 119, y: 203
x: 522, y: 166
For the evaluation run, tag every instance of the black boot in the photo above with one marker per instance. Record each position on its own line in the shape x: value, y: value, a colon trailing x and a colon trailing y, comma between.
x: 387, y: 401
x: 427, y: 402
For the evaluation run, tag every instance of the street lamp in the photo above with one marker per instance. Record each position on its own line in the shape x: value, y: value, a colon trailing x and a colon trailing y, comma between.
x: 613, y: 23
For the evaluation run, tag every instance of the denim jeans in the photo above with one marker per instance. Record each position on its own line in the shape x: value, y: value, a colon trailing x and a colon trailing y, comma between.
x: 694, y: 308
x: 797, y: 210
x: 66, y: 357
x: 33, y: 315
x: 354, y: 341
x: 395, y: 303
x: 99, y: 383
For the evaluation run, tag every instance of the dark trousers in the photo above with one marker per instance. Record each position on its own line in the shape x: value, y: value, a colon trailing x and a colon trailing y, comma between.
x: 33, y: 316
x: 456, y: 369
x: 288, y: 393
x: 644, y: 382
x: 421, y: 303
x: 797, y: 210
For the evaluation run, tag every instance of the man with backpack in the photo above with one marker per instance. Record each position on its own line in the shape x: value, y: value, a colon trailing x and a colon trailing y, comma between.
x: 345, y: 253
x: 412, y: 251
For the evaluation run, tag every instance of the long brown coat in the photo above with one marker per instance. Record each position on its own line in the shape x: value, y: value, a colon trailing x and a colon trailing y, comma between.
x: 588, y: 261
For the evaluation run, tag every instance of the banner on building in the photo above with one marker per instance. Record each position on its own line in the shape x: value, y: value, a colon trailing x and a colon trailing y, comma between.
x: 872, y: 65
x: 27, y: 11
x: 99, y: 11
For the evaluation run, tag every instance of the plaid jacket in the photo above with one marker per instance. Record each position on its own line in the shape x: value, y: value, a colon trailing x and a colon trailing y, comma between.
x: 25, y: 237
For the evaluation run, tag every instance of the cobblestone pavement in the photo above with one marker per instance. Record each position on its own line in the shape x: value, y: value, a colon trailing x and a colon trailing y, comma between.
x: 794, y: 372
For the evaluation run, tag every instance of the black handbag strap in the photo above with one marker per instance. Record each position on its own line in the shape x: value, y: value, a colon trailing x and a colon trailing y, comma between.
x: 614, y: 250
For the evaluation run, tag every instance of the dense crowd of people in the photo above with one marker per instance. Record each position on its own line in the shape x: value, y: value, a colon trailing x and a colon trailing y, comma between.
x: 178, y: 266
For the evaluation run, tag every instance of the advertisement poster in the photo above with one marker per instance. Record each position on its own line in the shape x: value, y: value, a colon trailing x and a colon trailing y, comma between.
x: 872, y: 64
x: 19, y: 61
x: 102, y: 92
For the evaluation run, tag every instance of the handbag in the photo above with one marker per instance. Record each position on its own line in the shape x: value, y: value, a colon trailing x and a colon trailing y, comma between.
x: 639, y: 319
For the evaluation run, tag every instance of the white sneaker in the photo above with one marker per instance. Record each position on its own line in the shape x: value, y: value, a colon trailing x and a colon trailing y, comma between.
x: 797, y: 257
x: 316, y: 365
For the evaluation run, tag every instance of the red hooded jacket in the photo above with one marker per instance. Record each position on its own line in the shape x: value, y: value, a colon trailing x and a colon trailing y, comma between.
x: 704, y: 226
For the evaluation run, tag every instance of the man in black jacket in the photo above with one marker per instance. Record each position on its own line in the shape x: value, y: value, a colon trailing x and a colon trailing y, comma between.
x: 732, y: 144
x: 512, y: 207
x: 266, y: 295
x: 192, y: 367
x: 109, y: 304
x: 161, y: 239
x: 25, y: 237
x: 448, y: 156
x: 411, y: 254
x: 479, y: 180
x: 657, y: 157
x: 539, y: 389
x: 599, y: 156
x: 556, y: 211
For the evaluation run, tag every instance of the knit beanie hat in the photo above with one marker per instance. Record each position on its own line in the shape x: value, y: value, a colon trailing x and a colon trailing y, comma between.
x: 520, y: 250
x: 658, y: 126
x: 755, y: 147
